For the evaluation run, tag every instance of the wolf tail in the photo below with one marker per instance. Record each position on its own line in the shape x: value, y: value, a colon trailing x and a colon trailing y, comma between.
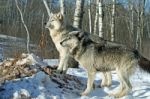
x: 144, y: 64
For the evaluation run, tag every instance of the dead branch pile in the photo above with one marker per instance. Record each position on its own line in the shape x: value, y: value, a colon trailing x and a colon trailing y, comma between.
x: 24, y: 65
x: 16, y: 68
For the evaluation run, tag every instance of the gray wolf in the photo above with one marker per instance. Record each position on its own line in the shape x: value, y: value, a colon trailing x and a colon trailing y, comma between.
x: 95, y: 57
x: 58, y: 31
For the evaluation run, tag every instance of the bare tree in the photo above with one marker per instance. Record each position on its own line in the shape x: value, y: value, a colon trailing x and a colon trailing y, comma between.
x: 142, y: 22
x: 47, y: 8
x: 25, y: 26
x: 100, y: 18
x: 78, y: 15
x: 113, y: 20
x: 130, y: 20
x: 96, y: 17
x: 148, y: 29
x: 62, y: 7
x: 140, y: 27
x: 90, y: 21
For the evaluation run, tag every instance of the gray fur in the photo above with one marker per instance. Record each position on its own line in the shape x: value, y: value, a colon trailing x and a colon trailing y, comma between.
x: 99, y: 57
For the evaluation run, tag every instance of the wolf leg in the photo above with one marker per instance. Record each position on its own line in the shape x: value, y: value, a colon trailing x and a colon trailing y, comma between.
x: 91, y: 77
x: 60, y: 66
x: 125, y: 85
x: 63, y: 64
x: 109, y: 79
x: 120, y: 88
x: 66, y: 61
x: 106, y: 79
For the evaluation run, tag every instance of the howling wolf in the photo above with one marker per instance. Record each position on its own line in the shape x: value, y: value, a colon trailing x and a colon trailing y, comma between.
x: 96, y: 57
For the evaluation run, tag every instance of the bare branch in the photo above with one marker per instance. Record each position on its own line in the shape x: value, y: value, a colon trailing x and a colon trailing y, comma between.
x: 25, y: 26
x: 47, y: 8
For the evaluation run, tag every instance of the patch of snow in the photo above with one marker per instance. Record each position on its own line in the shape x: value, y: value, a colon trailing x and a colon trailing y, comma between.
x: 41, y: 86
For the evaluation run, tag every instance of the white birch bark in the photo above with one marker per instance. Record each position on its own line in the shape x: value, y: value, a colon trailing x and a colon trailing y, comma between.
x: 90, y: 21
x: 47, y: 8
x: 96, y: 17
x: 113, y: 20
x: 100, y: 18
x: 78, y: 13
x: 62, y: 7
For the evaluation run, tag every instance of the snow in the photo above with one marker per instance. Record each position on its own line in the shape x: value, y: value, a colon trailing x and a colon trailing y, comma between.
x: 42, y: 86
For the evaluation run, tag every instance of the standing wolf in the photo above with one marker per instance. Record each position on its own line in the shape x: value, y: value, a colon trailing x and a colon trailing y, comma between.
x: 95, y: 57
x: 58, y: 31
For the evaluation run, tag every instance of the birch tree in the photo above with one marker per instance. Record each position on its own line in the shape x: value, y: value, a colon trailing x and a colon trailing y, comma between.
x: 47, y: 7
x: 25, y: 26
x: 113, y: 20
x: 89, y: 10
x: 100, y: 18
x: 96, y: 17
x: 78, y: 15
x: 142, y: 22
x: 62, y: 7
x: 131, y: 22
x: 140, y: 27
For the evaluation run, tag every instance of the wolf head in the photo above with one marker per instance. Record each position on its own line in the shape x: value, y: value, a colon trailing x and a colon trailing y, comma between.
x: 74, y: 40
x: 55, y: 22
x: 71, y: 40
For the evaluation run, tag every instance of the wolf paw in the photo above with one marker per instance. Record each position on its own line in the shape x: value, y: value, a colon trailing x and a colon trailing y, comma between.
x: 59, y: 71
x: 115, y: 95
x: 103, y: 85
x: 84, y: 94
x: 109, y: 85
x: 111, y: 94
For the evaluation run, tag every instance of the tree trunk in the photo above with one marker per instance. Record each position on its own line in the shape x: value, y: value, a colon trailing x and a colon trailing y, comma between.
x: 140, y: 28
x: 47, y: 8
x: 96, y: 17
x: 113, y: 20
x: 148, y: 30
x: 100, y: 18
x: 62, y: 7
x: 89, y: 10
x: 78, y: 15
x: 25, y: 26
x: 142, y: 23
x: 131, y: 23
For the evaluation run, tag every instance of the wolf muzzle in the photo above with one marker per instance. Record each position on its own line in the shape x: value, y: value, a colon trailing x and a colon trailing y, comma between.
x: 62, y: 42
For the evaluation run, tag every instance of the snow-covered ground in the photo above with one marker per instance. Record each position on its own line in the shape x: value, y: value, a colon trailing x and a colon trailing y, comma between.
x: 42, y: 86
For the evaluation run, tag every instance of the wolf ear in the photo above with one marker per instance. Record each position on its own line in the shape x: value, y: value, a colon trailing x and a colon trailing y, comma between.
x: 74, y: 33
x: 51, y: 14
x: 78, y: 34
x: 60, y: 16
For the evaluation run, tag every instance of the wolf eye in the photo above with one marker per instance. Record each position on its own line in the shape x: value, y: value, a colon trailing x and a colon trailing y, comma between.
x: 52, y: 20
x: 69, y: 37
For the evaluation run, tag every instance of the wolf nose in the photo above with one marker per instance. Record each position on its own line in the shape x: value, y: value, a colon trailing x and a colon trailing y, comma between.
x: 61, y: 43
